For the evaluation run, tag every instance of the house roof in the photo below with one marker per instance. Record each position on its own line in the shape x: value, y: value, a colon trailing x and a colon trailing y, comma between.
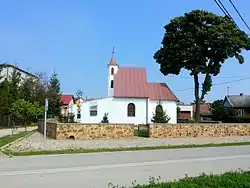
x: 238, y: 101
x: 21, y: 70
x: 160, y: 91
x: 66, y: 99
x: 205, y: 108
x: 132, y: 83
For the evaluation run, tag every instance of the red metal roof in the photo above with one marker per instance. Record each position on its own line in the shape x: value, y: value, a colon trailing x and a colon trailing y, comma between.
x: 66, y: 99
x: 160, y: 91
x: 132, y: 83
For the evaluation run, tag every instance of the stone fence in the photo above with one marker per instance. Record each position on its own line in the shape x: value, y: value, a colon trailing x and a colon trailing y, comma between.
x: 80, y: 131
x: 199, y: 130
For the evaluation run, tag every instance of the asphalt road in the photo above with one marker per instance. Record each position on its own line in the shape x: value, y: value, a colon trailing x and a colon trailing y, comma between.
x: 98, y: 169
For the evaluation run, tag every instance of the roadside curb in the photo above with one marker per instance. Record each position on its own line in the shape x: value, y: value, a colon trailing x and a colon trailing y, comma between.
x: 2, y: 149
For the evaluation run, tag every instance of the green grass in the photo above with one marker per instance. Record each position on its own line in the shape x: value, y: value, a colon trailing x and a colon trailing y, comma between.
x: 75, y: 151
x: 11, y: 138
x: 227, y: 180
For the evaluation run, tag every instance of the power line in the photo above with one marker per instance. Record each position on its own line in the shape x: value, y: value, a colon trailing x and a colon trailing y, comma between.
x: 239, y: 14
x: 190, y: 77
x: 222, y: 83
x: 224, y: 10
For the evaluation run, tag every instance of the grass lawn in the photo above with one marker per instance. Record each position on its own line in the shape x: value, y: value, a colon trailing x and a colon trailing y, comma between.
x: 11, y: 138
x: 226, y: 180
x: 75, y: 151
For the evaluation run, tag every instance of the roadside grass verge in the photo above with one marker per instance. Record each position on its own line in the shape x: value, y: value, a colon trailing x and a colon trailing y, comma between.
x: 11, y: 138
x: 82, y: 150
x: 228, y: 179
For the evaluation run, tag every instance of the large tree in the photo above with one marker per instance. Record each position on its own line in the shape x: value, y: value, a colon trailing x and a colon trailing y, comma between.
x: 200, y: 42
x: 54, y: 96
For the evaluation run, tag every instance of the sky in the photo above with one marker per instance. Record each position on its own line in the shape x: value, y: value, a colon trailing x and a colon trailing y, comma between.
x: 75, y: 39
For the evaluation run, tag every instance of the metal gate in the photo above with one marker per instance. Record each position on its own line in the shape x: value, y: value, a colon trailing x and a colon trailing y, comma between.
x: 143, y: 130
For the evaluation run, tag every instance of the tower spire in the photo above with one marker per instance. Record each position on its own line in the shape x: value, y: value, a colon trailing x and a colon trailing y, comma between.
x: 112, y: 60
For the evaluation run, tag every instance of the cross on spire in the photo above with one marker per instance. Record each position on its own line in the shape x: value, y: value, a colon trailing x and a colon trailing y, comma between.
x: 113, y: 51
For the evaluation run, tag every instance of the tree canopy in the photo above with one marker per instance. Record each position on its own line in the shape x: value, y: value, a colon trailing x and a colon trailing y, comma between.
x: 200, y: 42
x: 22, y: 98
x: 54, y: 96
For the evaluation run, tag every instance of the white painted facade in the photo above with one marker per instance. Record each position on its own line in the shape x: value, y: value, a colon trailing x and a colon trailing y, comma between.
x: 112, y: 70
x: 66, y: 109
x: 7, y: 71
x: 117, y: 110
x: 186, y: 108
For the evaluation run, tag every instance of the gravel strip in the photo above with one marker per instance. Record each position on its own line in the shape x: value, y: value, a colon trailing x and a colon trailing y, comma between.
x: 35, y: 142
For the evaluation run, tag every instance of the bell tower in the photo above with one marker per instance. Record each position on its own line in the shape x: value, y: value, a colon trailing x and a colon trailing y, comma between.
x: 112, y: 70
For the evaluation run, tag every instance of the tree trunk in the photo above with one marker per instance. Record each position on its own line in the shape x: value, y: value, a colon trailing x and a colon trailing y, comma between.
x: 197, y: 98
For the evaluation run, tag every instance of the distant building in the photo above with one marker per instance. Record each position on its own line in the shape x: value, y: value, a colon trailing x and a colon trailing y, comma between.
x: 7, y: 70
x: 241, y: 103
x: 205, y: 111
x: 67, y: 101
x: 185, y: 112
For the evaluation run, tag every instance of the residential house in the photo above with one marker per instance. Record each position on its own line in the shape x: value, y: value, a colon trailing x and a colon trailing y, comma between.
x: 205, y: 111
x: 7, y: 70
x: 241, y: 103
x: 185, y: 113
x: 130, y: 98
x: 67, y: 102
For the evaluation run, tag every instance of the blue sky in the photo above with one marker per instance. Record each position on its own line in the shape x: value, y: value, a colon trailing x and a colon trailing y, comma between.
x: 75, y: 38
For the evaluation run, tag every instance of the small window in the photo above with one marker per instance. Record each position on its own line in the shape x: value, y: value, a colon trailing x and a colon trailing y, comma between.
x: 112, y: 84
x: 241, y: 113
x: 93, y: 111
x: 112, y: 71
x: 131, y: 110
x: 78, y: 114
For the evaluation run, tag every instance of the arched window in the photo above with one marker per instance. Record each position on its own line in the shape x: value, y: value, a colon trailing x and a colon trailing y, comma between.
x: 131, y: 110
x: 112, y: 71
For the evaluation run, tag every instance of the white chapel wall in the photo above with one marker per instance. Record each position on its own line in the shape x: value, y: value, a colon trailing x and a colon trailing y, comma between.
x: 170, y: 107
x: 117, y: 109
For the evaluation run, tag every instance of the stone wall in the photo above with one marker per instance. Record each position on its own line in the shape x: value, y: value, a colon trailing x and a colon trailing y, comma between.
x: 199, y: 130
x: 79, y: 131
x: 94, y: 131
x: 51, y: 128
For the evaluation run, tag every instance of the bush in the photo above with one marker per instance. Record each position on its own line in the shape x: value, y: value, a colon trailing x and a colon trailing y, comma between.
x: 229, y: 179
x: 160, y: 116
x: 71, y: 118
x: 105, y: 118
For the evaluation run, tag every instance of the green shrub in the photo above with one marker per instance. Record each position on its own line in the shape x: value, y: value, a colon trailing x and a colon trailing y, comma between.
x: 227, y: 180
x: 105, y: 118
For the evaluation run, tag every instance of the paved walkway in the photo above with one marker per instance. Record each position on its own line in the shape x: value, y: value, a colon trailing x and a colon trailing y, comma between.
x: 6, y: 132
x: 36, y: 142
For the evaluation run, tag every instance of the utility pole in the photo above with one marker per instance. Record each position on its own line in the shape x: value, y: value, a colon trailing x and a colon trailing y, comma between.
x: 45, y: 120
x: 227, y: 90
